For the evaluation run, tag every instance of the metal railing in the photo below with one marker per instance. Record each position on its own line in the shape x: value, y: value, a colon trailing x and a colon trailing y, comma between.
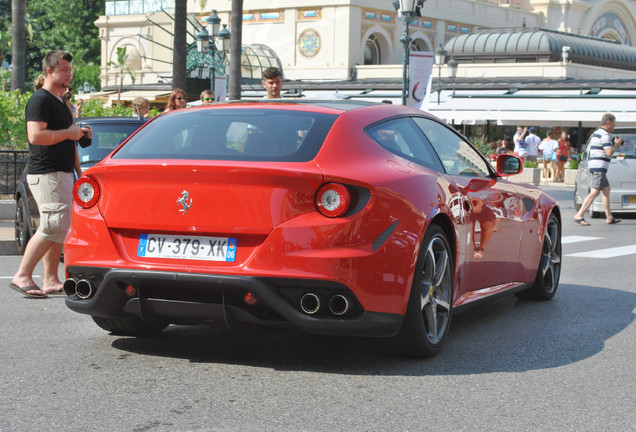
x: 12, y: 163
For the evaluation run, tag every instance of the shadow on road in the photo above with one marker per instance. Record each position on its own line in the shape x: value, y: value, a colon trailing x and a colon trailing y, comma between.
x: 507, y: 335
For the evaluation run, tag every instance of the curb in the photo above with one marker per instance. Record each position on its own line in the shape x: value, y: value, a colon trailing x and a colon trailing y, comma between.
x: 7, y: 209
x: 7, y: 214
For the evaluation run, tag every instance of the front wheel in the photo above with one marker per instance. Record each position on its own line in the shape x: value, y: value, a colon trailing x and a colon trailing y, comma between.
x: 129, y: 326
x: 428, y: 313
x: 549, y: 271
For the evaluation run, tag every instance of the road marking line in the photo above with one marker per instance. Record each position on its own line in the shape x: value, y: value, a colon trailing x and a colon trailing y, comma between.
x: 606, y: 253
x: 576, y: 239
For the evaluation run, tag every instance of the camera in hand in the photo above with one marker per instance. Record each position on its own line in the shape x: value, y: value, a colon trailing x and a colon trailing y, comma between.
x: 85, y: 141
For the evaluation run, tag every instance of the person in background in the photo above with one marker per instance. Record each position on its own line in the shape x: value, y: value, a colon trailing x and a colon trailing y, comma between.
x: 76, y: 110
x: 602, y: 147
x: 141, y: 107
x: 38, y: 83
x: 272, y: 82
x: 504, y: 147
x: 177, y: 100
x: 52, y: 160
x: 548, y: 146
x: 563, y: 152
x: 207, y: 97
x: 519, y: 140
x: 532, y: 145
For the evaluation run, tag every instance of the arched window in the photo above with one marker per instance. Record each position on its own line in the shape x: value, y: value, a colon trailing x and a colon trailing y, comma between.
x: 372, y: 51
x: 417, y: 45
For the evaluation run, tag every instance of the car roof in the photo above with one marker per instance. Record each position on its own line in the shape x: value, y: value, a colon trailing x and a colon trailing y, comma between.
x: 337, y: 104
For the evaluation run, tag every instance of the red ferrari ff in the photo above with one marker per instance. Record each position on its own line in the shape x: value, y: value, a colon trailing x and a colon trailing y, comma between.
x: 336, y: 217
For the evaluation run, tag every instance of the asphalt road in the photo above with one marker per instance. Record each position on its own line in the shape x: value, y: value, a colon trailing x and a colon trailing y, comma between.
x: 563, y: 365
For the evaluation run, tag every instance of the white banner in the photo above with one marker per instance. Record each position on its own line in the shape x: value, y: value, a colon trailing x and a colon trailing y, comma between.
x: 220, y: 88
x: 420, y: 75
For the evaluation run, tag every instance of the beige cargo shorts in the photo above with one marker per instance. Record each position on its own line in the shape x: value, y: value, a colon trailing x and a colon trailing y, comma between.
x: 54, y: 194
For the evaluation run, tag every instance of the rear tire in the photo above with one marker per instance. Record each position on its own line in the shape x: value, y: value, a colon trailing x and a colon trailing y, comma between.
x: 549, y: 271
x: 129, y: 326
x: 429, y: 310
x: 22, y: 235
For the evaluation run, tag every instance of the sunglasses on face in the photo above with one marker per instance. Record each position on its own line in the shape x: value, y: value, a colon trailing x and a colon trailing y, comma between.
x: 208, y: 99
x: 180, y: 98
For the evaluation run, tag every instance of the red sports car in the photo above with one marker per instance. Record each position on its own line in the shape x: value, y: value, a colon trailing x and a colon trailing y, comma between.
x: 336, y: 217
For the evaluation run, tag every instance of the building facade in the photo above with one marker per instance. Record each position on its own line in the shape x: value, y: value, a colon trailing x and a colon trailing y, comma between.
x: 354, y: 46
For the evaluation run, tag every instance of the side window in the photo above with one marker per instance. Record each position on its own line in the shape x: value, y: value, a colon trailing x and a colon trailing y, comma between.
x: 401, y: 137
x: 457, y: 156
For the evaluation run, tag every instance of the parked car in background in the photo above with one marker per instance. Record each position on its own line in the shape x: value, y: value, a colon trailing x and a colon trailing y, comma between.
x: 621, y: 176
x: 335, y: 217
x: 108, y: 133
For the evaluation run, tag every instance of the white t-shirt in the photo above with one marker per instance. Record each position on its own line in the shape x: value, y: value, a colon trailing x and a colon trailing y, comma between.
x: 532, y: 144
x: 548, y: 147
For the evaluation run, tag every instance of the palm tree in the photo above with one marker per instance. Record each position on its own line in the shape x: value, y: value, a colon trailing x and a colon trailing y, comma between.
x: 18, y: 57
x: 179, y: 50
x: 123, y: 69
x: 236, y: 39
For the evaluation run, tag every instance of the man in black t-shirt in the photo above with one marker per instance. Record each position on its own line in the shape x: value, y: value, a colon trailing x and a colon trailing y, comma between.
x: 52, y: 160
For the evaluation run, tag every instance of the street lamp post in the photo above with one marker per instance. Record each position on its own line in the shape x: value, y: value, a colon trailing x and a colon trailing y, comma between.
x: 440, y: 56
x: 206, y: 43
x: 409, y: 9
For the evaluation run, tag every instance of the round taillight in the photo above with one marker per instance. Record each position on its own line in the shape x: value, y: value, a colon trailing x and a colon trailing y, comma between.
x: 332, y: 200
x: 86, y: 192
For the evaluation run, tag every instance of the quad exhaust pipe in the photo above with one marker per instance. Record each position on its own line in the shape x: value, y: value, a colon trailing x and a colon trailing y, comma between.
x: 310, y: 303
x: 82, y: 289
x: 338, y: 304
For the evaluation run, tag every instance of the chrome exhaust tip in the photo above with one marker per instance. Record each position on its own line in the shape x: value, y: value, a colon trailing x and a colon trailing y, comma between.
x: 84, y: 289
x: 310, y: 303
x: 70, y: 287
x: 339, y: 304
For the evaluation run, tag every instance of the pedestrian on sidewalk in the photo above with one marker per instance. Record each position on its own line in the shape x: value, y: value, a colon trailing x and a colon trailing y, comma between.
x: 548, y: 146
x: 602, y: 147
x: 52, y: 159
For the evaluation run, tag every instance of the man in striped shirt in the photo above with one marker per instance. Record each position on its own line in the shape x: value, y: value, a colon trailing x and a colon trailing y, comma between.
x: 602, y: 147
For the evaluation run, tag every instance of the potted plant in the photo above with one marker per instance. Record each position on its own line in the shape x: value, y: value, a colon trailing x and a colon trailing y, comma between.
x: 531, y: 173
x: 569, y: 178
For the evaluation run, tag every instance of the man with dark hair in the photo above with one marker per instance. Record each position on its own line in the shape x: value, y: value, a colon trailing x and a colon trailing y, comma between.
x: 52, y: 160
x: 273, y: 82
x: 602, y: 147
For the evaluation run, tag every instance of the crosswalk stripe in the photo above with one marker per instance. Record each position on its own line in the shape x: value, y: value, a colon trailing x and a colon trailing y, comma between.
x: 576, y: 239
x: 606, y: 253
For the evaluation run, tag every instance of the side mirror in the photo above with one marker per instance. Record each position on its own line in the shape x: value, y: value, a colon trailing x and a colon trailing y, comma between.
x: 509, y: 165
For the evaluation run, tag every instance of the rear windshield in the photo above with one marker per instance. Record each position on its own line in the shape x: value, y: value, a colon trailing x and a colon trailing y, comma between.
x: 628, y: 149
x: 106, y: 136
x: 231, y: 134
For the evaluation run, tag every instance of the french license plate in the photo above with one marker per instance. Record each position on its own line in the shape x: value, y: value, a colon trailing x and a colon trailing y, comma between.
x: 187, y: 247
x: 629, y: 199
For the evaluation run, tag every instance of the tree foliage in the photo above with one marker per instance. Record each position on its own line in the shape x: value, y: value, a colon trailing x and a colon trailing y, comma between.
x: 12, y: 125
x: 67, y: 25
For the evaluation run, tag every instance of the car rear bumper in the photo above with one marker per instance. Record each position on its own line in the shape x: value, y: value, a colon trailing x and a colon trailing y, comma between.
x: 193, y: 297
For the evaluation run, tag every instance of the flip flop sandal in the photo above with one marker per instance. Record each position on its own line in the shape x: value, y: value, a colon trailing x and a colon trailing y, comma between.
x: 582, y: 222
x: 614, y: 221
x: 24, y: 290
